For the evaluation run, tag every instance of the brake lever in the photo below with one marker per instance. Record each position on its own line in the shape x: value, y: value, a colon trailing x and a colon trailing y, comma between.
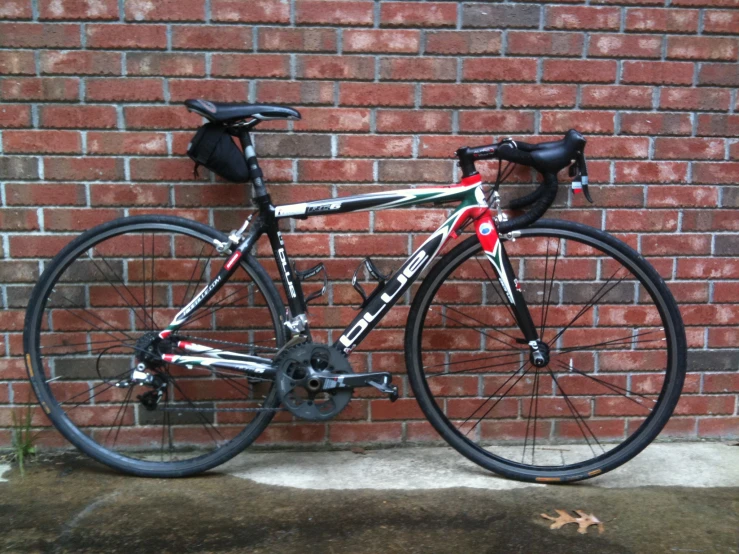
x: 579, y: 170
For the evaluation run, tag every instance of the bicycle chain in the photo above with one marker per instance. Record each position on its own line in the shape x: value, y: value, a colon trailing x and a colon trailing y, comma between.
x: 229, y: 343
x: 172, y: 409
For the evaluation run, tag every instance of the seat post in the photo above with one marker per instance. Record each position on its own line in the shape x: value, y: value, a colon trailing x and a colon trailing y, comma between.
x: 255, y: 173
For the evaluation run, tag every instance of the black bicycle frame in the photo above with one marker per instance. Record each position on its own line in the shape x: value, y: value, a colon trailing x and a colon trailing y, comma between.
x: 472, y: 207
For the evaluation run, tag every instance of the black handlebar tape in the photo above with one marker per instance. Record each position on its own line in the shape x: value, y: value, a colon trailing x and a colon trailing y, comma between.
x: 544, y: 202
x: 518, y: 203
x: 509, y: 153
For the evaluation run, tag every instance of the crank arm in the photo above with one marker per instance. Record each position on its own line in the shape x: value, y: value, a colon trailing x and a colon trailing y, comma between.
x: 381, y: 381
x: 255, y: 369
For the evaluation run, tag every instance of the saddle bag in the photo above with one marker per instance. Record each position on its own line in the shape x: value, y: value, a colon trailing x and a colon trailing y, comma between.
x: 213, y: 148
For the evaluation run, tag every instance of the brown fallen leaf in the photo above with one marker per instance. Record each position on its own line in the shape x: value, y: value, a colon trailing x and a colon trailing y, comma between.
x: 583, y: 522
x: 358, y: 450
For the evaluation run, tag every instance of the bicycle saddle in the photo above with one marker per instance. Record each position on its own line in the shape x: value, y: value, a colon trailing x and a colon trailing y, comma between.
x: 229, y: 112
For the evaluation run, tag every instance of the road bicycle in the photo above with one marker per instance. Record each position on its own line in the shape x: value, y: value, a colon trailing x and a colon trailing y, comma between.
x: 542, y: 350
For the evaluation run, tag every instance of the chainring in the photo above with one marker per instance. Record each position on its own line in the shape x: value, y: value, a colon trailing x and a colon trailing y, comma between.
x: 301, y: 370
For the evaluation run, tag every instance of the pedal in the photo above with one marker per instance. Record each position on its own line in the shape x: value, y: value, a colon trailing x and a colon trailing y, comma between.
x: 390, y: 390
x: 376, y: 273
x: 310, y: 273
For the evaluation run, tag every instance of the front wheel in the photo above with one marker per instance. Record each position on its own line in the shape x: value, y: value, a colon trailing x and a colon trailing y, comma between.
x: 616, y: 354
x: 94, y: 318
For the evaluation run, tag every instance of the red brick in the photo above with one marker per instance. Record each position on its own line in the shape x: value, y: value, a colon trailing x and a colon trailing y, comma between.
x: 618, y: 147
x: 366, y: 432
x: 702, y: 48
x: 548, y: 96
x: 404, y: 14
x: 624, y: 46
x: 211, y: 37
x: 83, y: 169
x: 705, y: 3
x: 442, y: 146
x: 250, y: 65
x: 724, y: 22
x: 712, y: 173
x: 689, y: 196
x: 589, y: 122
x: 582, y: 17
x: 688, y: 149
x: 641, y: 220
x: 415, y: 171
x: 694, y: 99
x: 656, y: 124
x: 18, y: 220
x: 39, y: 88
x: 725, y: 292
x: 163, y: 117
x: 128, y: 142
x: 297, y: 40
x: 580, y: 71
x: 533, y: 43
x: 463, y: 42
x: 336, y: 67
x: 39, y: 35
x: 15, y: 115
x: 720, y: 74
x: 719, y: 427
x: 651, y: 172
x: 726, y: 337
x: 129, y: 195
x: 45, y: 195
x: 63, y: 219
x: 707, y: 268
x: 597, y: 96
x: 331, y: 12
x: 165, y: 10
x: 212, y: 89
x: 503, y: 121
x: 683, y: 244
x: 169, y: 169
x: 415, y: 121
x: 711, y: 220
x: 376, y: 40
x: 254, y: 11
x: 500, y: 69
x: 128, y: 89
x: 471, y: 95
x: 673, y: 73
x: 333, y: 119
x: 718, y: 125
x: 335, y: 170
x: 360, y: 146
x: 304, y: 93
x: 19, y: 62
x: 654, y: 20
x: 418, y: 69
x: 168, y: 64
x: 124, y: 36
x: 43, y: 142
x: 16, y: 9
x: 705, y: 405
x: 78, y: 9
x: 78, y: 117
x: 376, y: 94
x: 81, y: 63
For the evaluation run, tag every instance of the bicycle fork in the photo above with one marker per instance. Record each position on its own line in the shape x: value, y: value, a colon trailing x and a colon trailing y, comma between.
x: 487, y: 234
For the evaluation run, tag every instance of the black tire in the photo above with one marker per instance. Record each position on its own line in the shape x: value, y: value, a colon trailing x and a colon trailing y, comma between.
x: 646, y: 430
x: 35, y: 365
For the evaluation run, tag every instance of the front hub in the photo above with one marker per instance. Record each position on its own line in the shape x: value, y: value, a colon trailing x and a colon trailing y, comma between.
x: 539, y: 354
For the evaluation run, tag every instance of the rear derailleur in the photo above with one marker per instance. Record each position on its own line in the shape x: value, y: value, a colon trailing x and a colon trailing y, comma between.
x: 157, y: 381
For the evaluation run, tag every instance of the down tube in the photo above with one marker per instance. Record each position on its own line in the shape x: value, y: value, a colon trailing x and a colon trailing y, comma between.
x: 401, y: 280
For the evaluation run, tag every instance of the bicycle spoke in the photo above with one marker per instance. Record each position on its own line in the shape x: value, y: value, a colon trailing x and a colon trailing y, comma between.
x: 533, y: 403
x: 482, y: 323
x: 470, y: 327
x: 98, y: 328
x: 578, y: 416
x: 625, y: 340
x: 509, y: 362
x: 199, y: 413
x: 153, y: 323
x: 486, y: 358
x: 613, y: 387
x: 122, y: 414
x: 504, y: 302
x: 143, y: 320
x: 545, y: 309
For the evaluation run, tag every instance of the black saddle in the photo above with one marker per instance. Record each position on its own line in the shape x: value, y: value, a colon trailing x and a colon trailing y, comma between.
x: 229, y: 112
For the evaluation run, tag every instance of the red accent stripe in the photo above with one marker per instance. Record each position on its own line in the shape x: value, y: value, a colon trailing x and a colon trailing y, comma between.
x: 168, y: 357
x: 471, y: 180
x: 183, y: 344
x: 164, y: 334
x: 232, y: 260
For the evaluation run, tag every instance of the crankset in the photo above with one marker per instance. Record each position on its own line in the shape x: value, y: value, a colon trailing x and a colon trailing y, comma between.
x: 315, y: 381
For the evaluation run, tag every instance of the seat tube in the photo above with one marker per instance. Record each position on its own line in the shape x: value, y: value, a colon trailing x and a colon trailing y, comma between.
x: 487, y: 234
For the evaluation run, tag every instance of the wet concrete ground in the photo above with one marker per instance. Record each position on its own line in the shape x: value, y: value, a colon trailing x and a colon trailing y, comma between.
x: 72, y: 504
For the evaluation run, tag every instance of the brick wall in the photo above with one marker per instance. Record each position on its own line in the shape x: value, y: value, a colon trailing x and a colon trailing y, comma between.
x: 93, y: 129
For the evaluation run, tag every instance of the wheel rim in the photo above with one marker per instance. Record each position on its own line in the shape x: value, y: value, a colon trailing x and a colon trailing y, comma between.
x: 96, y: 309
x: 516, y: 415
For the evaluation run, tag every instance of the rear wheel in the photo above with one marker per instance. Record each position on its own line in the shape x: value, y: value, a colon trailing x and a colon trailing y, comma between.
x: 614, y: 336
x: 94, y: 317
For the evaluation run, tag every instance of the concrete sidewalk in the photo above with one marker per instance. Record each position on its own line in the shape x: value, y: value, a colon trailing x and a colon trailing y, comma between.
x: 672, y: 498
